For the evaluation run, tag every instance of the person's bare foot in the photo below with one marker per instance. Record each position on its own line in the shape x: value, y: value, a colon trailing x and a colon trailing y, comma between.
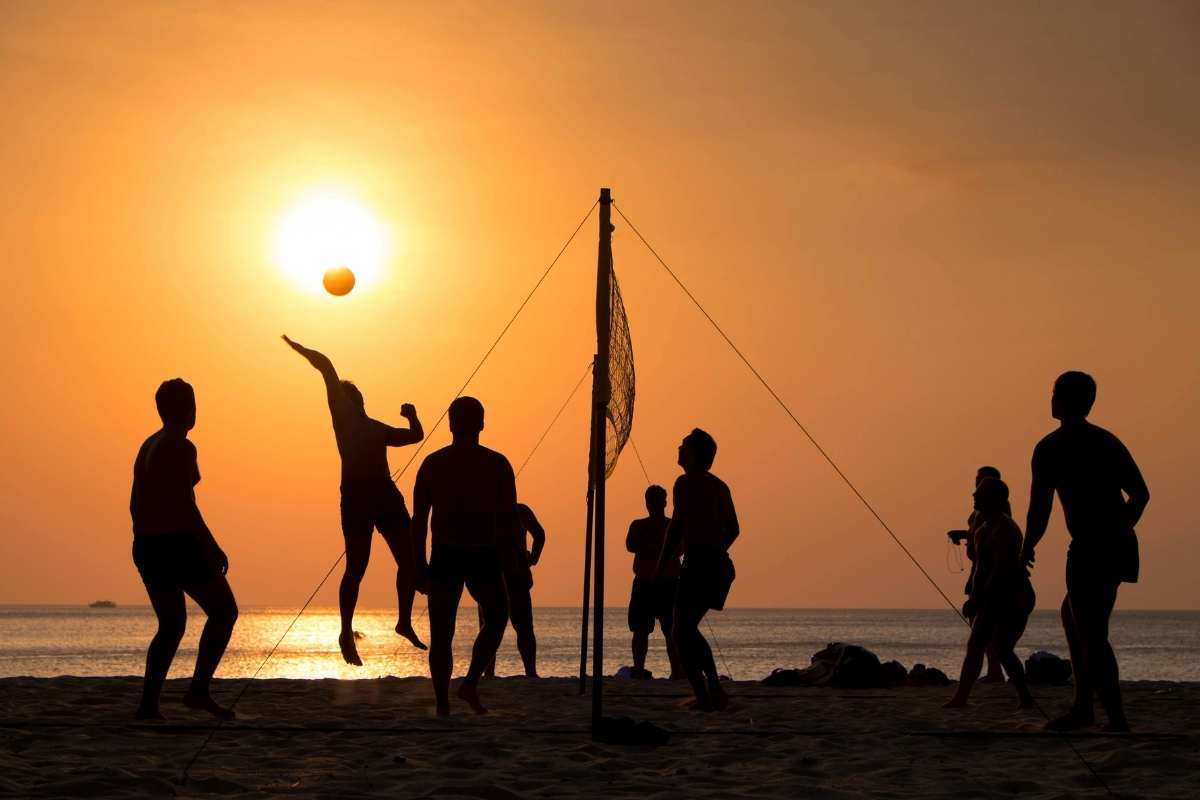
x: 469, y: 693
x: 149, y: 714
x: 718, y: 698
x: 349, y: 649
x: 442, y: 710
x: 703, y: 704
x: 206, y: 703
x: 407, y: 632
x: 1071, y: 721
x: 956, y: 702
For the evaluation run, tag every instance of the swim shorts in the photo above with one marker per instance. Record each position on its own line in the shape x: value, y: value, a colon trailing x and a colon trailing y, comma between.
x: 705, y: 580
x: 172, y: 561
x: 1114, y: 558
x: 453, y: 565
x: 651, y: 600
x: 367, y: 505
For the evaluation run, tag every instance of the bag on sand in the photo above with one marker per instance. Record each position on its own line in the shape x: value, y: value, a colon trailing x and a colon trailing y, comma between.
x: 859, y: 668
x: 922, y: 675
x: 844, y: 666
x: 816, y: 675
x: 1047, y: 668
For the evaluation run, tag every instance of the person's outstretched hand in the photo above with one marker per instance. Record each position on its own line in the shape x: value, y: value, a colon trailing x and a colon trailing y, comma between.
x: 299, y: 348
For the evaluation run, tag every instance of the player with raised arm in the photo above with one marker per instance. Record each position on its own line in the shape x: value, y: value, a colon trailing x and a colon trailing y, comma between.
x: 370, y: 499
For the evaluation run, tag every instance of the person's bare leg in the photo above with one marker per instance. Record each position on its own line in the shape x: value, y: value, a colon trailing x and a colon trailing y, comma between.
x: 715, y: 691
x: 995, y: 673
x: 708, y: 666
x: 1012, y: 664
x: 491, y: 599
x: 691, y: 652
x: 400, y: 544
x: 443, y: 614
x: 1004, y: 643
x: 490, y: 670
x: 520, y: 613
x: 673, y: 656
x: 216, y: 599
x: 977, y: 644
x: 1093, y: 621
x: 641, y: 646
x: 665, y: 614
x: 358, y: 553
x: 1081, y: 714
x: 171, y: 611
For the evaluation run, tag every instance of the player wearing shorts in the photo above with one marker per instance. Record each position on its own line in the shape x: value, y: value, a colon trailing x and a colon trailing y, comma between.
x: 176, y: 554
x: 370, y: 499
x: 466, y: 497
x: 652, y: 598
x: 517, y: 564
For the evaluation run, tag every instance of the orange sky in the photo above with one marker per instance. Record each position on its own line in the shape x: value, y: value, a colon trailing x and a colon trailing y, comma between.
x: 911, y: 216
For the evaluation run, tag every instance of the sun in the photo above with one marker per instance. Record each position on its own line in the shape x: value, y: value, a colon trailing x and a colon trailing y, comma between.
x: 325, y: 229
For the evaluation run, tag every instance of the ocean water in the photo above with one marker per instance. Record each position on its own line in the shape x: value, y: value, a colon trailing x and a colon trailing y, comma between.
x: 46, y: 641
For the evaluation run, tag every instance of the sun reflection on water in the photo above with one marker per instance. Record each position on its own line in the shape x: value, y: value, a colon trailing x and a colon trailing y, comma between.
x: 310, y: 649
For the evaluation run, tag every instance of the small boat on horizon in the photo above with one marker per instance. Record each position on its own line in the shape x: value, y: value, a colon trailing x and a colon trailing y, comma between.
x: 102, y: 604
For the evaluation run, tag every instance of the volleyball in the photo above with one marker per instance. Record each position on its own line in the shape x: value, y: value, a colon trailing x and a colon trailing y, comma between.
x: 339, y: 281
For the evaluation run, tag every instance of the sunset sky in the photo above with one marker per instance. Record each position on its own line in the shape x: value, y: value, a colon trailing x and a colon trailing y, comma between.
x: 910, y: 216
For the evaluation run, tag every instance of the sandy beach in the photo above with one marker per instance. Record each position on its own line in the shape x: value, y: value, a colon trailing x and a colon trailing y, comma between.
x: 73, y: 737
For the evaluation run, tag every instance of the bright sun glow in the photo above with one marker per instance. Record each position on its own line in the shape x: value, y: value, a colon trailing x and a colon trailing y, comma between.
x: 326, y: 229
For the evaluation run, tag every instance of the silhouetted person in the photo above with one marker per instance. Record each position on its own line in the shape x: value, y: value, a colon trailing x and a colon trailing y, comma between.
x: 652, y: 597
x: 1103, y: 496
x: 994, y: 673
x: 370, y: 499
x: 704, y: 526
x: 176, y: 554
x: 516, y: 563
x: 472, y: 495
x: 1001, y: 595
